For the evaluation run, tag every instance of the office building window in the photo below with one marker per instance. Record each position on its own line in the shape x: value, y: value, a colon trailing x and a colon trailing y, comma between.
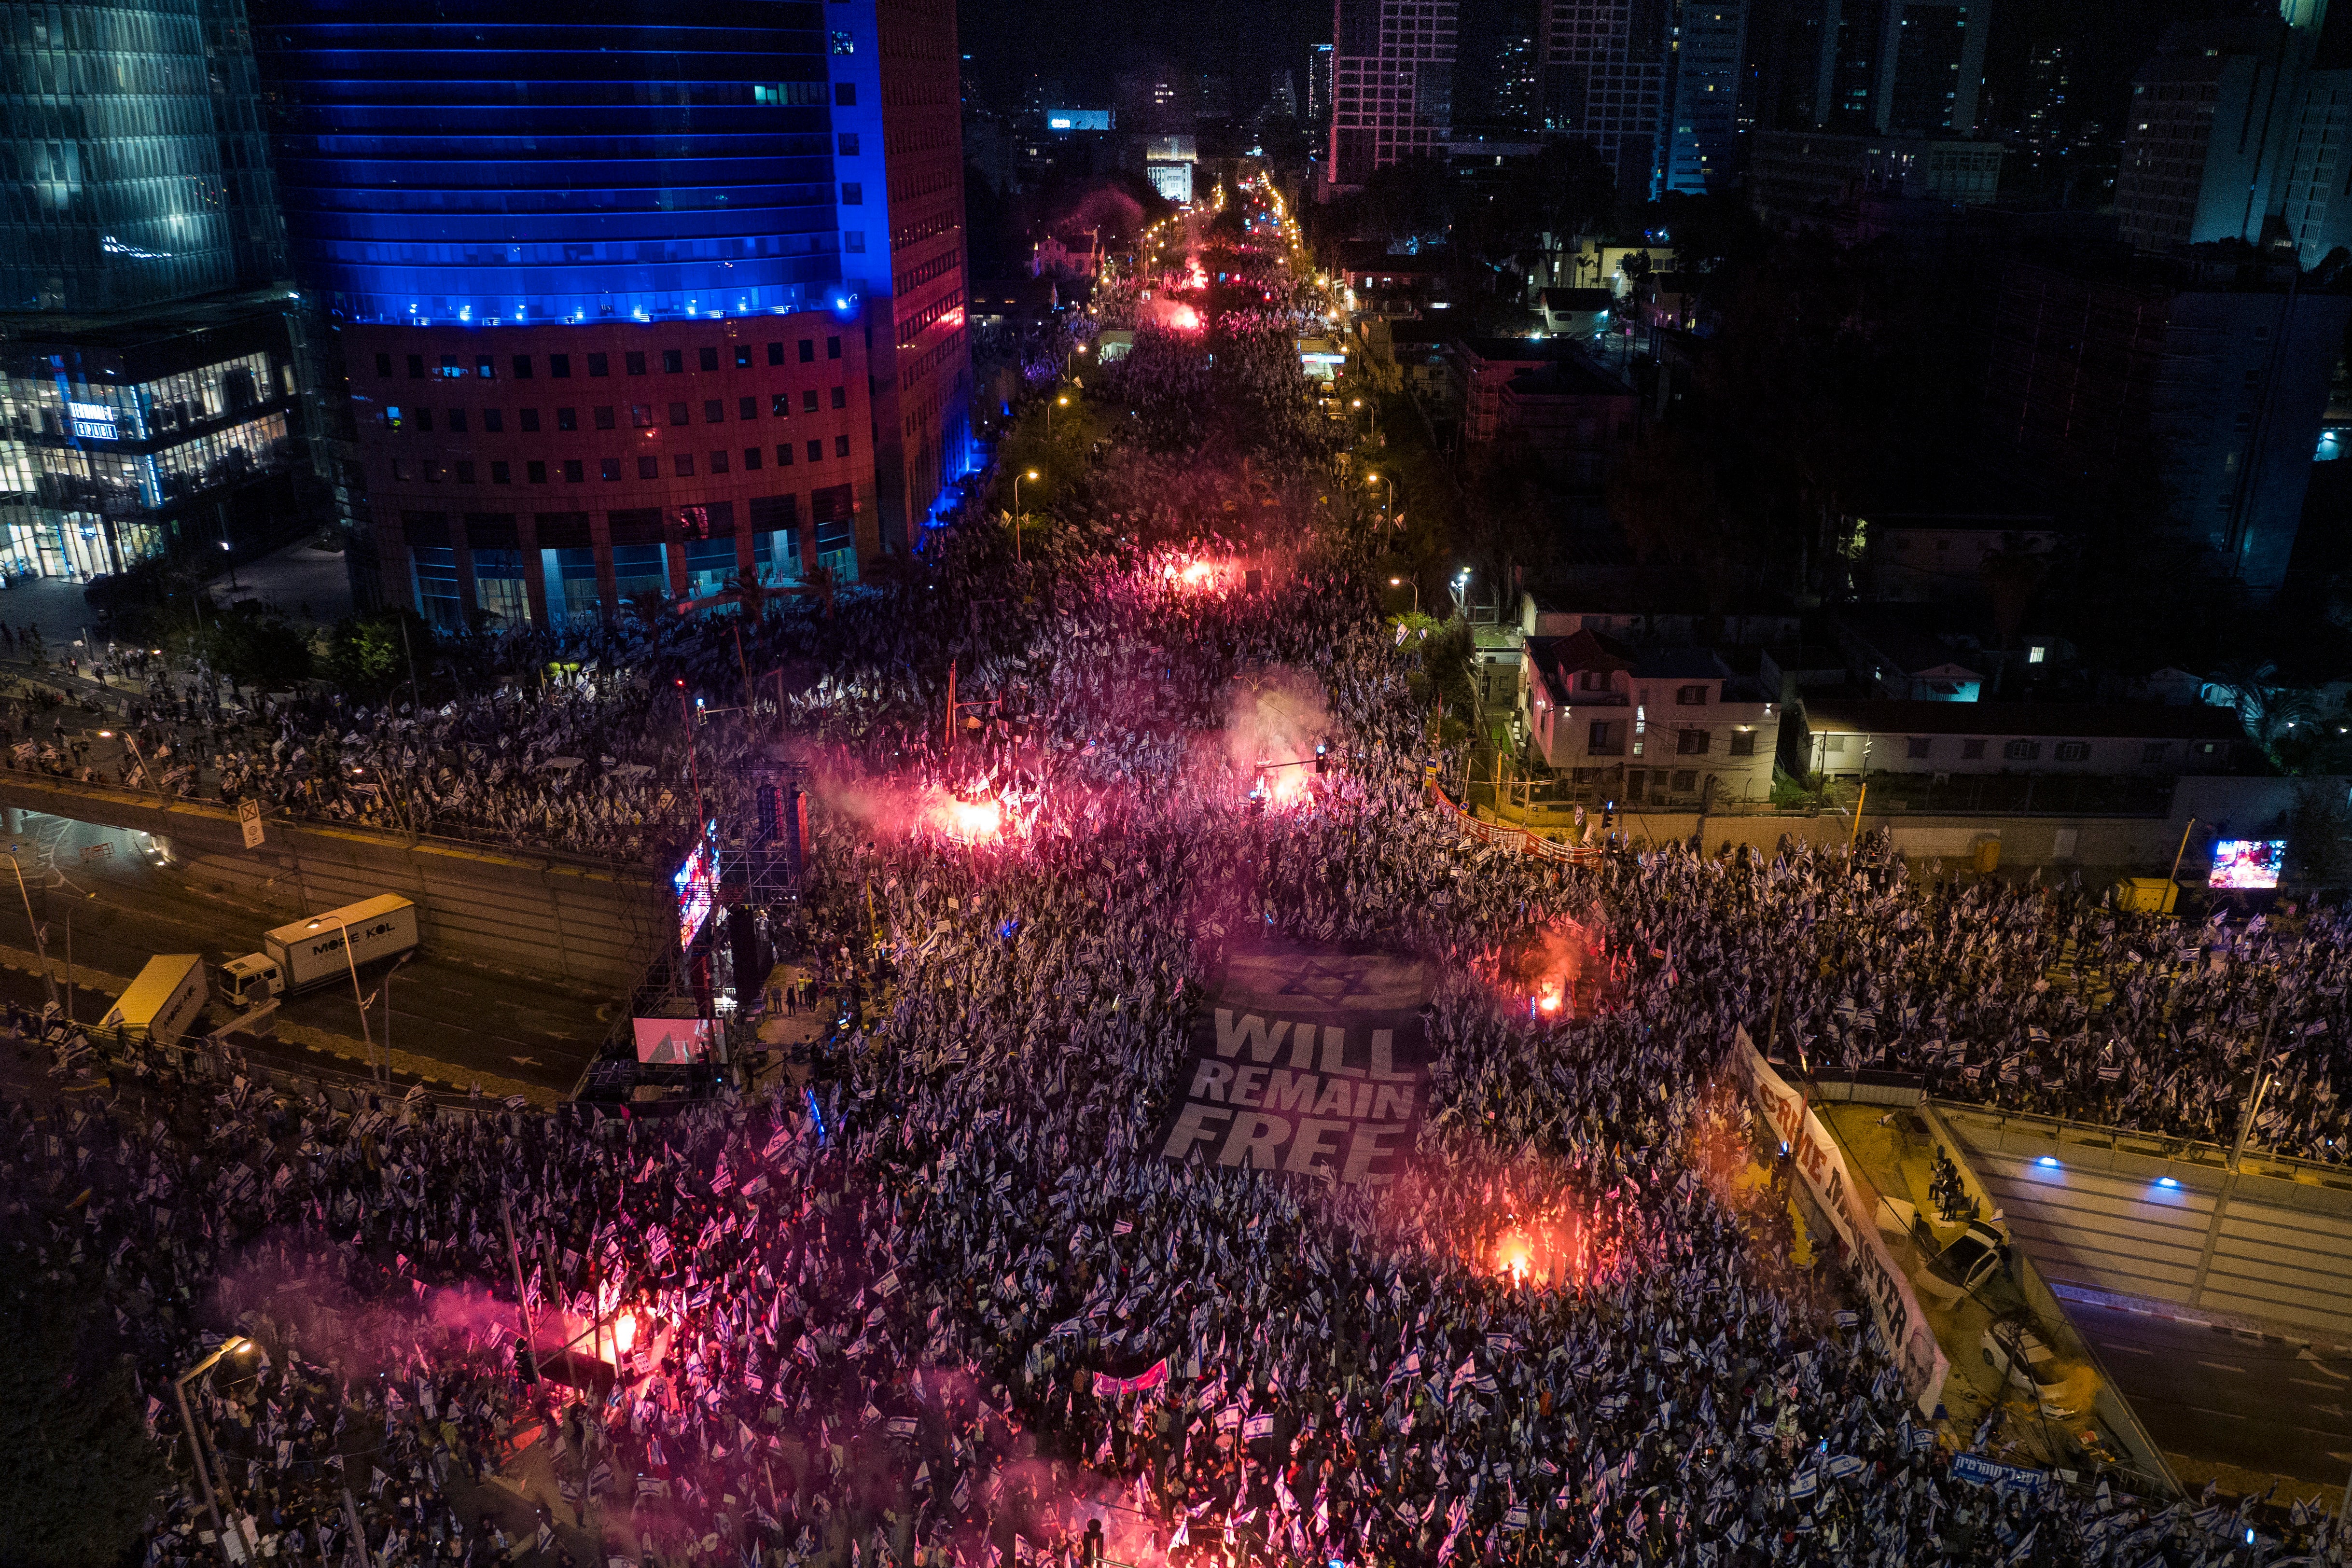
x: 571, y: 578
x: 499, y: 586
x: 648, y: 468
x: 438, y: 600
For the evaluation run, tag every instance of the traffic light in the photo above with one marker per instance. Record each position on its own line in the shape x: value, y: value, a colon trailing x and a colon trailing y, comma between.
x: 526, y: 1363
x: 1322, y: 757
x: 1608, y: 816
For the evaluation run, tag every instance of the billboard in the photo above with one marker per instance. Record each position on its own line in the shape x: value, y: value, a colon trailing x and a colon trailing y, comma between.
x: 697, y: 886
x: 2247, y: 863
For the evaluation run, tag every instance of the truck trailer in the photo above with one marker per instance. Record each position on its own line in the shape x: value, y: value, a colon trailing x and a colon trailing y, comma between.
x: 307, y: 953
x: 163, y: 1003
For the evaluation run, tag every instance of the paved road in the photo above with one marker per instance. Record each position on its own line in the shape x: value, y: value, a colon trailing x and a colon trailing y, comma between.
x: 2223, y: 1397
x: 124, y: 908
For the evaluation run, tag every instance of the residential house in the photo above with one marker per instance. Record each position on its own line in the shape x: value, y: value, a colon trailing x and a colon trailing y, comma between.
x: 1662, y: 726
x: 1891, y: 657
x: 1846, y: 739
x: 1576, y: 312
x: 1634, y: 614
x: 1057, y: 256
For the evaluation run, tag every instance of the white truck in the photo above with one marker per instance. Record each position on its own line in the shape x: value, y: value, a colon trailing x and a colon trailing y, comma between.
x: 310, y: 952
x: 162, y: 1002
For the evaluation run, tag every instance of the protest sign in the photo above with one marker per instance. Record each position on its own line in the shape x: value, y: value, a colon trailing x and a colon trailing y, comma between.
x: 1311, y: 1064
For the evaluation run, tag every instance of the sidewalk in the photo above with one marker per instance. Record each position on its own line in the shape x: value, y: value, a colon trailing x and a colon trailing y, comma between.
x: 312, y: 587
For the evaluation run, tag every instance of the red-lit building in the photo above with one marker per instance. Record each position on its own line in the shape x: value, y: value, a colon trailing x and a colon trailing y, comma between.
x: 535, y: 473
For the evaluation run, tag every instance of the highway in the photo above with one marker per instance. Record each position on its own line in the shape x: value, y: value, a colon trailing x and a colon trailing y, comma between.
x: 117, y: 907
x: 2223, y: 1397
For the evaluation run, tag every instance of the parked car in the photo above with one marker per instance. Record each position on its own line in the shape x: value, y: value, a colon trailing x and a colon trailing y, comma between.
x: 1975, y: 1256
x: 2015, y: 1351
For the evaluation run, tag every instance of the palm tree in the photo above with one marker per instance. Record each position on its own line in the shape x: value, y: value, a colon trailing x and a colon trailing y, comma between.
x: 651, y: 604
x: 749, y: 591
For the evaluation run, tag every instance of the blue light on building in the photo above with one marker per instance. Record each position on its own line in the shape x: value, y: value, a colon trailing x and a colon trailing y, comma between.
x: 618, y: 165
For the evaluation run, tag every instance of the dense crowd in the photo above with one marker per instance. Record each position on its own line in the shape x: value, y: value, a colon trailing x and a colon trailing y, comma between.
x: 947, y: 1303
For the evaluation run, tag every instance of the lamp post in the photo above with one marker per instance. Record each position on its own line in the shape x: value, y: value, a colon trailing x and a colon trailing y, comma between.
x: 367, y: 1036
x: 235, y: 1345
x: 1061, y: 401
x: 1375, y: 407
x: 40, y: 941
x: 1389, y: 509
x: 1032, y: 473
x: 1414, y: 583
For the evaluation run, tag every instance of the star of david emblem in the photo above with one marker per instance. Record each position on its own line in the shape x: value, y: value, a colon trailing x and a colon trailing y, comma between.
x: 1329, y: 982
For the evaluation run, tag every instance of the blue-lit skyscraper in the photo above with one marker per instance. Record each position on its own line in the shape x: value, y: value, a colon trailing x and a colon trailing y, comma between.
x: 757, y: 208
x: 510, y: 162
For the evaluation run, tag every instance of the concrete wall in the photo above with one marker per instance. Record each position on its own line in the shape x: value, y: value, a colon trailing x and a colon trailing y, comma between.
x: 2272, y: 1246
x: 553, y: 917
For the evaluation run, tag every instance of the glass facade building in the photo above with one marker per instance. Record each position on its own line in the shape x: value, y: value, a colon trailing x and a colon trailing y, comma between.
x: 135, y: 166
x: 503, y: 163
x: 150, y: 372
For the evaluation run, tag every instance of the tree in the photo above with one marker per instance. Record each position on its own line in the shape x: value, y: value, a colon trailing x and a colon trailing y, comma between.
x: 82, y: 1474
x: 1667, y: 497
x: 370, y: 653
x: 2012, y: 575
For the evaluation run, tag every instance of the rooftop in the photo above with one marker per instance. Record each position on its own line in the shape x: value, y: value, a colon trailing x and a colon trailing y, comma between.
x: 2076, y: 721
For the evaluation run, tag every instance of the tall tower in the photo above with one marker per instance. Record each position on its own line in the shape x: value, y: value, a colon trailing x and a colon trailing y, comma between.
x: 1703, y: 129
x: 149, y: 390
x: 1393, y: 93
x: 635, y: 306
x: 2213, y: 127
x: 1606, y: 66
x: 139, y: 172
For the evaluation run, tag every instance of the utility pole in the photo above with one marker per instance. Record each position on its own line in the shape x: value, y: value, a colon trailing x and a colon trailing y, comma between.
x: 522, y: 1300
x: 947, y: 739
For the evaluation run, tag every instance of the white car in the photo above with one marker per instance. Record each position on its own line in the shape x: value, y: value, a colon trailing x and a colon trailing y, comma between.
x: 2030, y: 1366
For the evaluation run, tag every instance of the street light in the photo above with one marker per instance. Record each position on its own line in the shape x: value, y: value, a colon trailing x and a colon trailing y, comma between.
x: 40, y: 941
x: 1415, y: 585
x: 366, y: 1035
x: 236, y: 1344
x: 1390, y: 510
x: 1016, y: 510
x: 1376, y: 411
x: 1057, y: 402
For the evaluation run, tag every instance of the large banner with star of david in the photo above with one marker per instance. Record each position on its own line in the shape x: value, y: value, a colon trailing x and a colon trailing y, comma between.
x: 1309, y: 1064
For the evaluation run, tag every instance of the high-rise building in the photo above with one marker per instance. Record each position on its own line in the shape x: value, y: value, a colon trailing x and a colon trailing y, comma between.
x: 1392, y: 90
x: 2316, y: 203
x: 1606, y: 66
x: 2214, y: 126
x: 152, y: 369
x: 1497, y: 71
x: 630, y: 306
x: 1282, y: 95
x: 2209, y: 365
x: 1703, y: 129
x: 1899, y: 66
x: 1318, y: 87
